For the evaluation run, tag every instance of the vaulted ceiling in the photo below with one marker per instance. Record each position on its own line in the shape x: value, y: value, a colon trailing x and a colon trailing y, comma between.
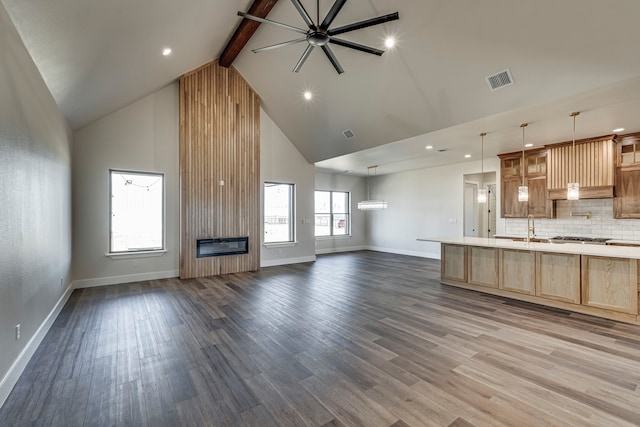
x: 430, y: 89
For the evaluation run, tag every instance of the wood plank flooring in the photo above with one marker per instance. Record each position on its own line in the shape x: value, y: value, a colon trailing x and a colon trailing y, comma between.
x: 354, y: 339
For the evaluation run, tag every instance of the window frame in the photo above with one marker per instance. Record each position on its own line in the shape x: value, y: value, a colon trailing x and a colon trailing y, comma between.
x: 292, y: 214
x: 143, y: 251
x: 331, y: 214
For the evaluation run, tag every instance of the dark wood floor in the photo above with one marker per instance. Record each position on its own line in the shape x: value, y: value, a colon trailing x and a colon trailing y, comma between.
x: 355, y: 339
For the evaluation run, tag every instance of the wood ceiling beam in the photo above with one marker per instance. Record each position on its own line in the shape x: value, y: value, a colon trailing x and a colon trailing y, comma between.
x: 245, y: 30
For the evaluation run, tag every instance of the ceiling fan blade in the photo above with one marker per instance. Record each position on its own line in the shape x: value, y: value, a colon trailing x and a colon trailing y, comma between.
x: 356, y: 46
x: 333, y: 59
x: 275, y: 46
x: 364, y: 24
x: 303, y: 12
x: 268, y: 21
x: 333, y: 12
x: 303, y: 58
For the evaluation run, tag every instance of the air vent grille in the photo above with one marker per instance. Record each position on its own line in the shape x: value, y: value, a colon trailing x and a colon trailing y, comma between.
x: 349, y: 134
x: 500, y: 80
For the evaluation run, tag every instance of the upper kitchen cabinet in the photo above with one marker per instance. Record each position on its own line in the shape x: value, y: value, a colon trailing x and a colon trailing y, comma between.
x: 593, y: 165
x: 626, y: 203
x: 535, y: 177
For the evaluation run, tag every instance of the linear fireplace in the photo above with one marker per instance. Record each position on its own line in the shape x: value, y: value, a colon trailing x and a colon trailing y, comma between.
x: 222, y: 246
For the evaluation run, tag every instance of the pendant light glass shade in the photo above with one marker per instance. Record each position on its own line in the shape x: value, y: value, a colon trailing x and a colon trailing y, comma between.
x: 573, y: 191
x: 573, y: 188
x: 371, y: 205
x: 523, y: 193
x: 482, y: 195
x: 523, y: 190
x: 482, y: 192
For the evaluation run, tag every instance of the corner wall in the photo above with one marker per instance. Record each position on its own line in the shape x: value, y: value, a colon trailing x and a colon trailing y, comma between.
x: 35, y: 206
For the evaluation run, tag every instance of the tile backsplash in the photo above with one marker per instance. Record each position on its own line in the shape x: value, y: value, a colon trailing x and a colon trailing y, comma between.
x: 601, y: 223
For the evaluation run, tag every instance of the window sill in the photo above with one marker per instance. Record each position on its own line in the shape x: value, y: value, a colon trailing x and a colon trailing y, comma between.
x: 346, y: 236
x: 279, y: 245
x: 139, y: 254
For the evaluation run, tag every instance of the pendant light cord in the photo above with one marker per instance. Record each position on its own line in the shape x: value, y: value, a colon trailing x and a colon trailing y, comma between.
x: 523, y: 125
x: 573, y: 154
x: 482, y: 161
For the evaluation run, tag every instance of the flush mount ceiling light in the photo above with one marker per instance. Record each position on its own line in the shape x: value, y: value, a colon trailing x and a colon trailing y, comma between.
x: 369, y: 205
x: 482, y: 192
x: 319, y: 34
x: 573, y: 188
x: 523, y: 190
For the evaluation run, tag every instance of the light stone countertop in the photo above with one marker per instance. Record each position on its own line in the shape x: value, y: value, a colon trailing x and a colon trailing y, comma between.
x: 567, y: 248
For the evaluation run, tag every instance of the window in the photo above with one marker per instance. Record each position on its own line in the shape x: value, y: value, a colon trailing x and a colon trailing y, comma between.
x: 332, y: 213
x: 137, y: 211
x: 278, y: 213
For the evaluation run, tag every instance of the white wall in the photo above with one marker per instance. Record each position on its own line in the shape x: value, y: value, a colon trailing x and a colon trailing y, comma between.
x: 422, y: 203
x: 142, y: 137
x: 357, y: 187
x: 280, y: 161
x: 35, y: 206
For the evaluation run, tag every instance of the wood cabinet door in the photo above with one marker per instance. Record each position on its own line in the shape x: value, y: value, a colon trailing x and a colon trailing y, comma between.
x: 453, y: 264
x: 627, y: 201
x: 558, y: 276
x: 610, y: 283
x: 483, y: 266
x: 511, y: 207
x: 538, y: 204
x: 518, y: 271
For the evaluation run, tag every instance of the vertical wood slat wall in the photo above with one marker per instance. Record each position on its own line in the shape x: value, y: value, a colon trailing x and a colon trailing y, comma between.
x: 219, y: 141
x: 593, y: 164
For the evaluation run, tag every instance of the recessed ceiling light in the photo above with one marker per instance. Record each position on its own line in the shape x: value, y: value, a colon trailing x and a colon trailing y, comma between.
x: 389, y: 42
x: 466, y: 156
x: 166, y: 51
x: 308, y: 95
x: 618, y: 130
x: 429, y: 147
x: 528, y: 145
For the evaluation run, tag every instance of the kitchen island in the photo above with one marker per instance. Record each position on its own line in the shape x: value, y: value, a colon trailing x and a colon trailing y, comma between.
x: 600, y: 280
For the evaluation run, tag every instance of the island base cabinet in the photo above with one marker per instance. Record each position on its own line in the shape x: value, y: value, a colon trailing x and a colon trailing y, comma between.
x: 483, y: 266
x: 517, y: 271
x: 558, y: 276
x: 453, y: 262
x: 610, y: 283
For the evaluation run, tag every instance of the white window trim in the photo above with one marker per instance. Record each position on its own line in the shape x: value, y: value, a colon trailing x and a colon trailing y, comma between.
x: 140, y: 253
x: 136, y: 254
x: 294, y: 229
x: 349, y: 215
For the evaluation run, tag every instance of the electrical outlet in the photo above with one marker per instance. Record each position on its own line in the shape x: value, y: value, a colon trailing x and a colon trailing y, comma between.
x: 17, y: 331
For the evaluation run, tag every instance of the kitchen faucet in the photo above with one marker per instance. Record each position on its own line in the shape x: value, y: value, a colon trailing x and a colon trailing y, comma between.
x: 531, y: 227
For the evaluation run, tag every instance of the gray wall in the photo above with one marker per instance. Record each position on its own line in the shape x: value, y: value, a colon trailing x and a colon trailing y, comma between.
x: 143, y: 137
x: 280, y: 161
x: 35, y: 200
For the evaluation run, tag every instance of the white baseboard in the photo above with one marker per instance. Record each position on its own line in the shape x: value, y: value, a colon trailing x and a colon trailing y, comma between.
x: 116, y: 280
x: 336, y: 250
x: 13, y: 375
x: 404, y: 252
x: 283, y: 261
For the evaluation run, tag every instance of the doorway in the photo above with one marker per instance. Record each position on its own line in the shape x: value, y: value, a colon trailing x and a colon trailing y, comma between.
x: 479, y: 218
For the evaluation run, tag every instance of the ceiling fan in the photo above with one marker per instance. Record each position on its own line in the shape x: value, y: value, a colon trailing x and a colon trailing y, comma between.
x: 319, y: 34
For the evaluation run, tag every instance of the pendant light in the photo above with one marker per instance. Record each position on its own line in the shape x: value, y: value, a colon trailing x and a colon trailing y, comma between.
x: 369, y: 205
x: 523, y: 190
x: 573, y: 188
x: 482, y: 192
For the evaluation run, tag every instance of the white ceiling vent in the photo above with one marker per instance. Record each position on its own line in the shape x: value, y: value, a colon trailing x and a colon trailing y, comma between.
x: 349, y: 134
x: 500, y: 80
